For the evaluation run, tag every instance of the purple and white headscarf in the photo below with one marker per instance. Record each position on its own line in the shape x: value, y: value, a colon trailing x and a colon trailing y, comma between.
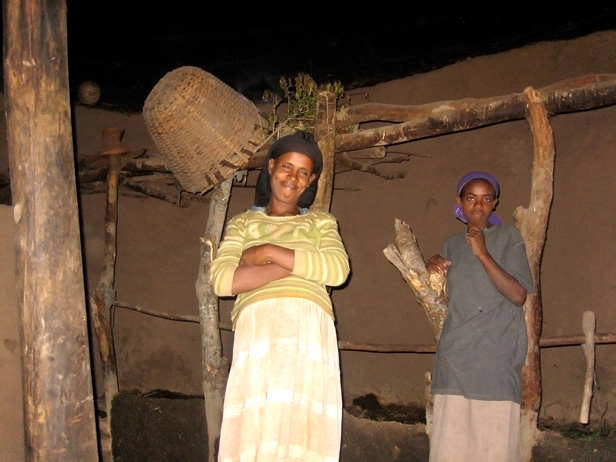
x: 494, y: 219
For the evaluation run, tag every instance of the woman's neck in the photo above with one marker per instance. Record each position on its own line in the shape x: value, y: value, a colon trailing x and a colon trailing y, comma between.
x: 285, y: 211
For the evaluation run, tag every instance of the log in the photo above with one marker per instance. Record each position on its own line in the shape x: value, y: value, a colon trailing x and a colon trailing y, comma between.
x: 59, y: 412
x: 575, y: 94
x: 438, y: 118
x: 429, y: 289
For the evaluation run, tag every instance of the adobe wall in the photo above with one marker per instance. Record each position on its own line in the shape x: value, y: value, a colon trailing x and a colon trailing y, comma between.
x: 158, y: 243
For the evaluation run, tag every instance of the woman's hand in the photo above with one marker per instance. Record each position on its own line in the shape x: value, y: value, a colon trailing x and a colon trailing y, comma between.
x: 260, y: 265
x: 255, y: 255
x: 264, y: 254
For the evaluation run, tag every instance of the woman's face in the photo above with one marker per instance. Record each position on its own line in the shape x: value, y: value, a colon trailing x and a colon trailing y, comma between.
x: 477, y: 202
x: 290, y: 175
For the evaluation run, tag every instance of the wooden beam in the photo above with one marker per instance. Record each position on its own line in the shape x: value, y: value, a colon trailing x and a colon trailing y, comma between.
x: 439, y: 118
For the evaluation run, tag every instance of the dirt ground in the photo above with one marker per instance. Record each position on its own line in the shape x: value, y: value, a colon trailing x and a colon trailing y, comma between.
x: 159, y: 427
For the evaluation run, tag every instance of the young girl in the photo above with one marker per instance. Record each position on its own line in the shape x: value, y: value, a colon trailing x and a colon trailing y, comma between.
x: 477, y: 374
x: 283, y: 400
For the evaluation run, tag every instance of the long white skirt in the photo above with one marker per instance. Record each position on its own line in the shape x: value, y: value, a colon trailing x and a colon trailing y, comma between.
x: 283, y: 400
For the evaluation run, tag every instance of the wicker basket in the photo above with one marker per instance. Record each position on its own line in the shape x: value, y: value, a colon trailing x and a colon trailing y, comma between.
x: 203, y: 128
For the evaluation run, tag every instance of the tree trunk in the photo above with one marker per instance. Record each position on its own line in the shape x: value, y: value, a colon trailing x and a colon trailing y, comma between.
x: 57, y: 383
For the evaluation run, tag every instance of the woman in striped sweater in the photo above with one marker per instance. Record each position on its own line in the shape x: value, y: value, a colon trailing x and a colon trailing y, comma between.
x: 283, y: 400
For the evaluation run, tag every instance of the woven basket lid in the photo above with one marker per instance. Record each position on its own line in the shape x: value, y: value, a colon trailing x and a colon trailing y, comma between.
x: 203, y: 128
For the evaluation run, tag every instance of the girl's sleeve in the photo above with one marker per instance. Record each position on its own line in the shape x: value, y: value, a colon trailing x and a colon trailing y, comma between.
x: 517, y: 263
x: 227, y: 259
x: 329, y: 264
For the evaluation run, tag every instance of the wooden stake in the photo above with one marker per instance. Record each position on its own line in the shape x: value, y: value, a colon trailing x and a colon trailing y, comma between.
x: 588, y: 326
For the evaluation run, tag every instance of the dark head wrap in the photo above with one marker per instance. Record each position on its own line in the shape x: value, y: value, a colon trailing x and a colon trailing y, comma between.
x: 302, y: 142
x: 494, y: 219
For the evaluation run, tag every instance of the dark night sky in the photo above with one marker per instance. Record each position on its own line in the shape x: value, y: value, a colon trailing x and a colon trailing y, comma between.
x: 127, y: 46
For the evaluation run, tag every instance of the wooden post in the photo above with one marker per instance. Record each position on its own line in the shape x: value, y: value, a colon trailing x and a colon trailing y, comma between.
x: 102, y: 298
x: 325, y: 134
x: 57, y: 381
x: 533, y: 222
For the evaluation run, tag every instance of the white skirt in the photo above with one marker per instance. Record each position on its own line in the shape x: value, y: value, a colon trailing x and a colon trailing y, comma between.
x: 470, y: 430
x: 283, y: 400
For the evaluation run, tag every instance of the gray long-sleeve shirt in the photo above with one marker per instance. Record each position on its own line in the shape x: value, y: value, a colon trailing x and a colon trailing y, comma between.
x: 483, y: 341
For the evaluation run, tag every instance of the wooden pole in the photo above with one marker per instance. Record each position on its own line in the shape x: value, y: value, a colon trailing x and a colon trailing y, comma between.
x: 57, y: 383
x: 325, y: 134
x: 103, y: 297
x: 533, y: 222
x: 214, y: 365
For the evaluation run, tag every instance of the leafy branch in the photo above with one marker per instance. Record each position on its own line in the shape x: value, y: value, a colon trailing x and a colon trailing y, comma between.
x: 300, y: 95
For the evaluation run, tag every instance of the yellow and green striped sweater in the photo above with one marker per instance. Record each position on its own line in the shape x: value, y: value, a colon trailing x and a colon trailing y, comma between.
x: 320, y: 257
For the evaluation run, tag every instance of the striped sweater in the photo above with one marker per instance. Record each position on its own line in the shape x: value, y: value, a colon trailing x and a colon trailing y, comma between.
x: 320, y: 257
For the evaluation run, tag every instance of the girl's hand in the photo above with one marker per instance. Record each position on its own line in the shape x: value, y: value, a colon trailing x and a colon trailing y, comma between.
x: 437, y: 264
x: 476, y: 239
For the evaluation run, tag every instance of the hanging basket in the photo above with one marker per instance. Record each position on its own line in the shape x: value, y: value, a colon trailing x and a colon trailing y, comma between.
x: 203, y: 128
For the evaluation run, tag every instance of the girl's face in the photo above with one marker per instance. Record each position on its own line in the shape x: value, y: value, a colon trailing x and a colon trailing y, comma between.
x: 290, y: 175
x: 477, y: 202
